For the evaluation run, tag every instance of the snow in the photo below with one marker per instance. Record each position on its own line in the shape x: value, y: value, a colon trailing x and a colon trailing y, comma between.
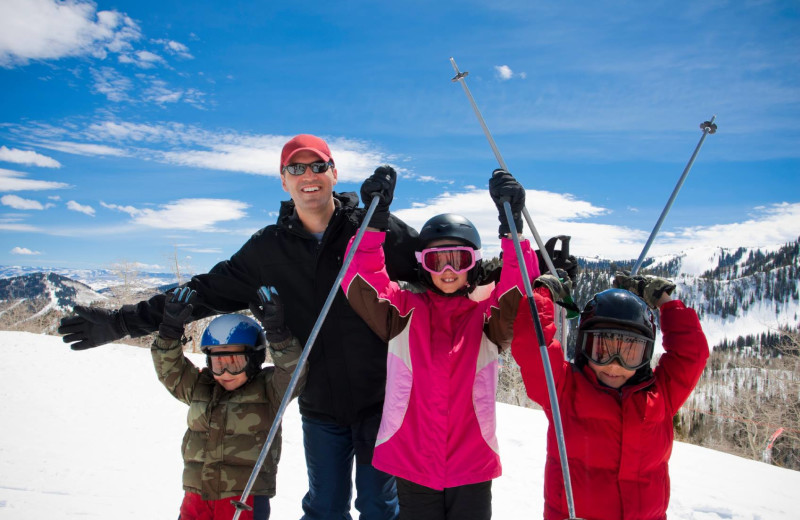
x: 94, y: 435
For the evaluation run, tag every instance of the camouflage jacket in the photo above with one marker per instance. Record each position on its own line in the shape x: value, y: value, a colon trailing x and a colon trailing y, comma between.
x: 227, y: 429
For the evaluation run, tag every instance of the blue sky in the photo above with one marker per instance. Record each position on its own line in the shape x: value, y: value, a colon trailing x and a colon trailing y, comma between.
x: 134, y: 131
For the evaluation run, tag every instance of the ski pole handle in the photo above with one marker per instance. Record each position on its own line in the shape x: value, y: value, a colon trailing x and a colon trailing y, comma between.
x: 240, y: 504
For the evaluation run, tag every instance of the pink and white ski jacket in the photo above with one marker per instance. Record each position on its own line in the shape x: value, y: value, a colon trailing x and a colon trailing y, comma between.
x: 438, y: 425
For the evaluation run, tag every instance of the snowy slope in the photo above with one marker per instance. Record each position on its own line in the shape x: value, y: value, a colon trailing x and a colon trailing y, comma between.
x: 94, y: 435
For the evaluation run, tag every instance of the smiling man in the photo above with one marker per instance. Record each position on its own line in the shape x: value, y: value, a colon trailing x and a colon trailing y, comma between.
x: 300, y: 256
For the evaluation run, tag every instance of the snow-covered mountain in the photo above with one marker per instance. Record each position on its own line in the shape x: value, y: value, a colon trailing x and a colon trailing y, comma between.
x: 737, y: 292
x: 97, y: 279
x: 95, y: 435
x: 58, y: 291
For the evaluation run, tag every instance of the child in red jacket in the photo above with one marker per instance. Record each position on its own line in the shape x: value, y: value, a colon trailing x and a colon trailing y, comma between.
x: 616, y: 411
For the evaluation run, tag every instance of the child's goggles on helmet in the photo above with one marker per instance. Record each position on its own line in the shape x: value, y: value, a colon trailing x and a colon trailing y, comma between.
x: 631, y: 350
x: 233, y: 362
x: 460, y: 259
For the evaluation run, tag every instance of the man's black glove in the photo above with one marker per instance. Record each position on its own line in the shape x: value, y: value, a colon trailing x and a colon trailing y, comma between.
x: 504, y: 187
x: 269, y: 312
x: 380, y: 183
x: 649, y: 288
x: 177, y: 311
x: 560, y: 257
x: 92, y: 327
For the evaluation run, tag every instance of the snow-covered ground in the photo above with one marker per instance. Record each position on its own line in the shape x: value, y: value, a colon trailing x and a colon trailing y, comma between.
x: 94, y: 435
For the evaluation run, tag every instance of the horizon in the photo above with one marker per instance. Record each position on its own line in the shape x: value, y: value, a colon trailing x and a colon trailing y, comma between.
x: 146, y: 132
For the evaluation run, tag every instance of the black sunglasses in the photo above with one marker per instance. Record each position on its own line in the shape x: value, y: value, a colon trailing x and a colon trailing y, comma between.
x: 300, y: 168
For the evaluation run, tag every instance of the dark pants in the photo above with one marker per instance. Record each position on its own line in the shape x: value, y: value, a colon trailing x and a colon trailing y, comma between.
x: 470, y: 502
x: 330, y: 450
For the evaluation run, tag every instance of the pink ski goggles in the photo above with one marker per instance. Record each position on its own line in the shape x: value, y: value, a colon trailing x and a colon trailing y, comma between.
x: 459, y: 259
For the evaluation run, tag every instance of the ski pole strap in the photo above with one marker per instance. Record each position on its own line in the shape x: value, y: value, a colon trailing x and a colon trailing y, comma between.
x: 548, y: 371
x: 312, y: 337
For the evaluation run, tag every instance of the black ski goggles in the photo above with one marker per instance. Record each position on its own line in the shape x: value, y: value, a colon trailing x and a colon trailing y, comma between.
x: 604, y: 346
x: 233, y: 363
x: 300, y: 168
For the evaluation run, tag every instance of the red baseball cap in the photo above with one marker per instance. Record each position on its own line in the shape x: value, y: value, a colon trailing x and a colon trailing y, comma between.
x: 304, y: 142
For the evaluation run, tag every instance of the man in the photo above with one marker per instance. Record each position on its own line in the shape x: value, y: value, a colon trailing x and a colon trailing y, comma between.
x: 300, y: 256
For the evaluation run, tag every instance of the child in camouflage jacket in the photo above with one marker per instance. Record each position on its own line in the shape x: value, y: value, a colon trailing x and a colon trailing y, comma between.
x: 232, y: 403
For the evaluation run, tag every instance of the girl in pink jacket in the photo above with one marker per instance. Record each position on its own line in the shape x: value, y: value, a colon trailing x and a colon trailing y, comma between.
x: 437, y: 433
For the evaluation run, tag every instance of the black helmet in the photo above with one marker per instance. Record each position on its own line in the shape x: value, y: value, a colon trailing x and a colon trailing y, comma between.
x: 236, y: 329
x: 450, y: 225
x: 618, y: 307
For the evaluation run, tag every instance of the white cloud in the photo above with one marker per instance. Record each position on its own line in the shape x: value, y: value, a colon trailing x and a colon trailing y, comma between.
x: 130, y: 210
x: 504, y: 73
x: 560, y: 214
x: 80, y: 208
x: 207, y: 250
x: 16, y: 202
x: 176, y: 48
x: 27, y: 157
x: 111, y: 84
x: 193, y: 146
x: 23, y: 228
x: 159, y: 93
x: 48, y: 29
x: 767, y: 225
x: 143, y: 59
x: 24, y: 251
x: 189, y: 214
x: 84, y: 148
x: 11, y: 180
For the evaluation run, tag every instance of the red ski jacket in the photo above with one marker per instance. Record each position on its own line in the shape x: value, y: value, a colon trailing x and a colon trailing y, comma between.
x: 618, y: 441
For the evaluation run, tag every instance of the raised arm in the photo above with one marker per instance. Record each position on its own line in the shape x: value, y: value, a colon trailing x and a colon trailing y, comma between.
x: 680, y: 367
x: 175, y: 372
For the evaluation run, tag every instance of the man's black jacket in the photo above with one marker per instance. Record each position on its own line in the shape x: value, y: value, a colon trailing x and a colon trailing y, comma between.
x: 347, y: 365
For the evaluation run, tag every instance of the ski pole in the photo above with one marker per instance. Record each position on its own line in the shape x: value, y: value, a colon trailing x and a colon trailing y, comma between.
x: 548, y: 371
x: 459, y: 77
x: 240, y: 504
x: 708, y: 127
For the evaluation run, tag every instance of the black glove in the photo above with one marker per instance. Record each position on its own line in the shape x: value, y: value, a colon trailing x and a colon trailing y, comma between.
x: 561, y: 257
x: 92, y: 327
x: 269, y: 312
x: 380, y: 183
x: 504, y: 187
x: 177, y: 311
x: 649, y: 288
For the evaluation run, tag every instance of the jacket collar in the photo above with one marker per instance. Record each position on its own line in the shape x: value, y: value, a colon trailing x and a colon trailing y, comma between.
x: 624, y: 391
x: 288, y: 214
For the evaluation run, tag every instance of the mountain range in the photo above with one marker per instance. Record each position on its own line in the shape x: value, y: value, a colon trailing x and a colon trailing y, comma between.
x: 741, y: 292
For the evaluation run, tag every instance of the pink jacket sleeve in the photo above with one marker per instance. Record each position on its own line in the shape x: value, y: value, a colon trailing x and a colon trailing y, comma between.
x: 369, y: 290
x: 502, y: 305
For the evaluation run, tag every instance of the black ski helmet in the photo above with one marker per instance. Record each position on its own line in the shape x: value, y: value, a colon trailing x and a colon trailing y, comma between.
x: 618, y: 307
x: 236, y: 329
x: 460, y: 229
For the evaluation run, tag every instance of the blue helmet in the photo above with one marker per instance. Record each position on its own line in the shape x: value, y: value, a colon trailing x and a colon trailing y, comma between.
x: 236, y: 329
